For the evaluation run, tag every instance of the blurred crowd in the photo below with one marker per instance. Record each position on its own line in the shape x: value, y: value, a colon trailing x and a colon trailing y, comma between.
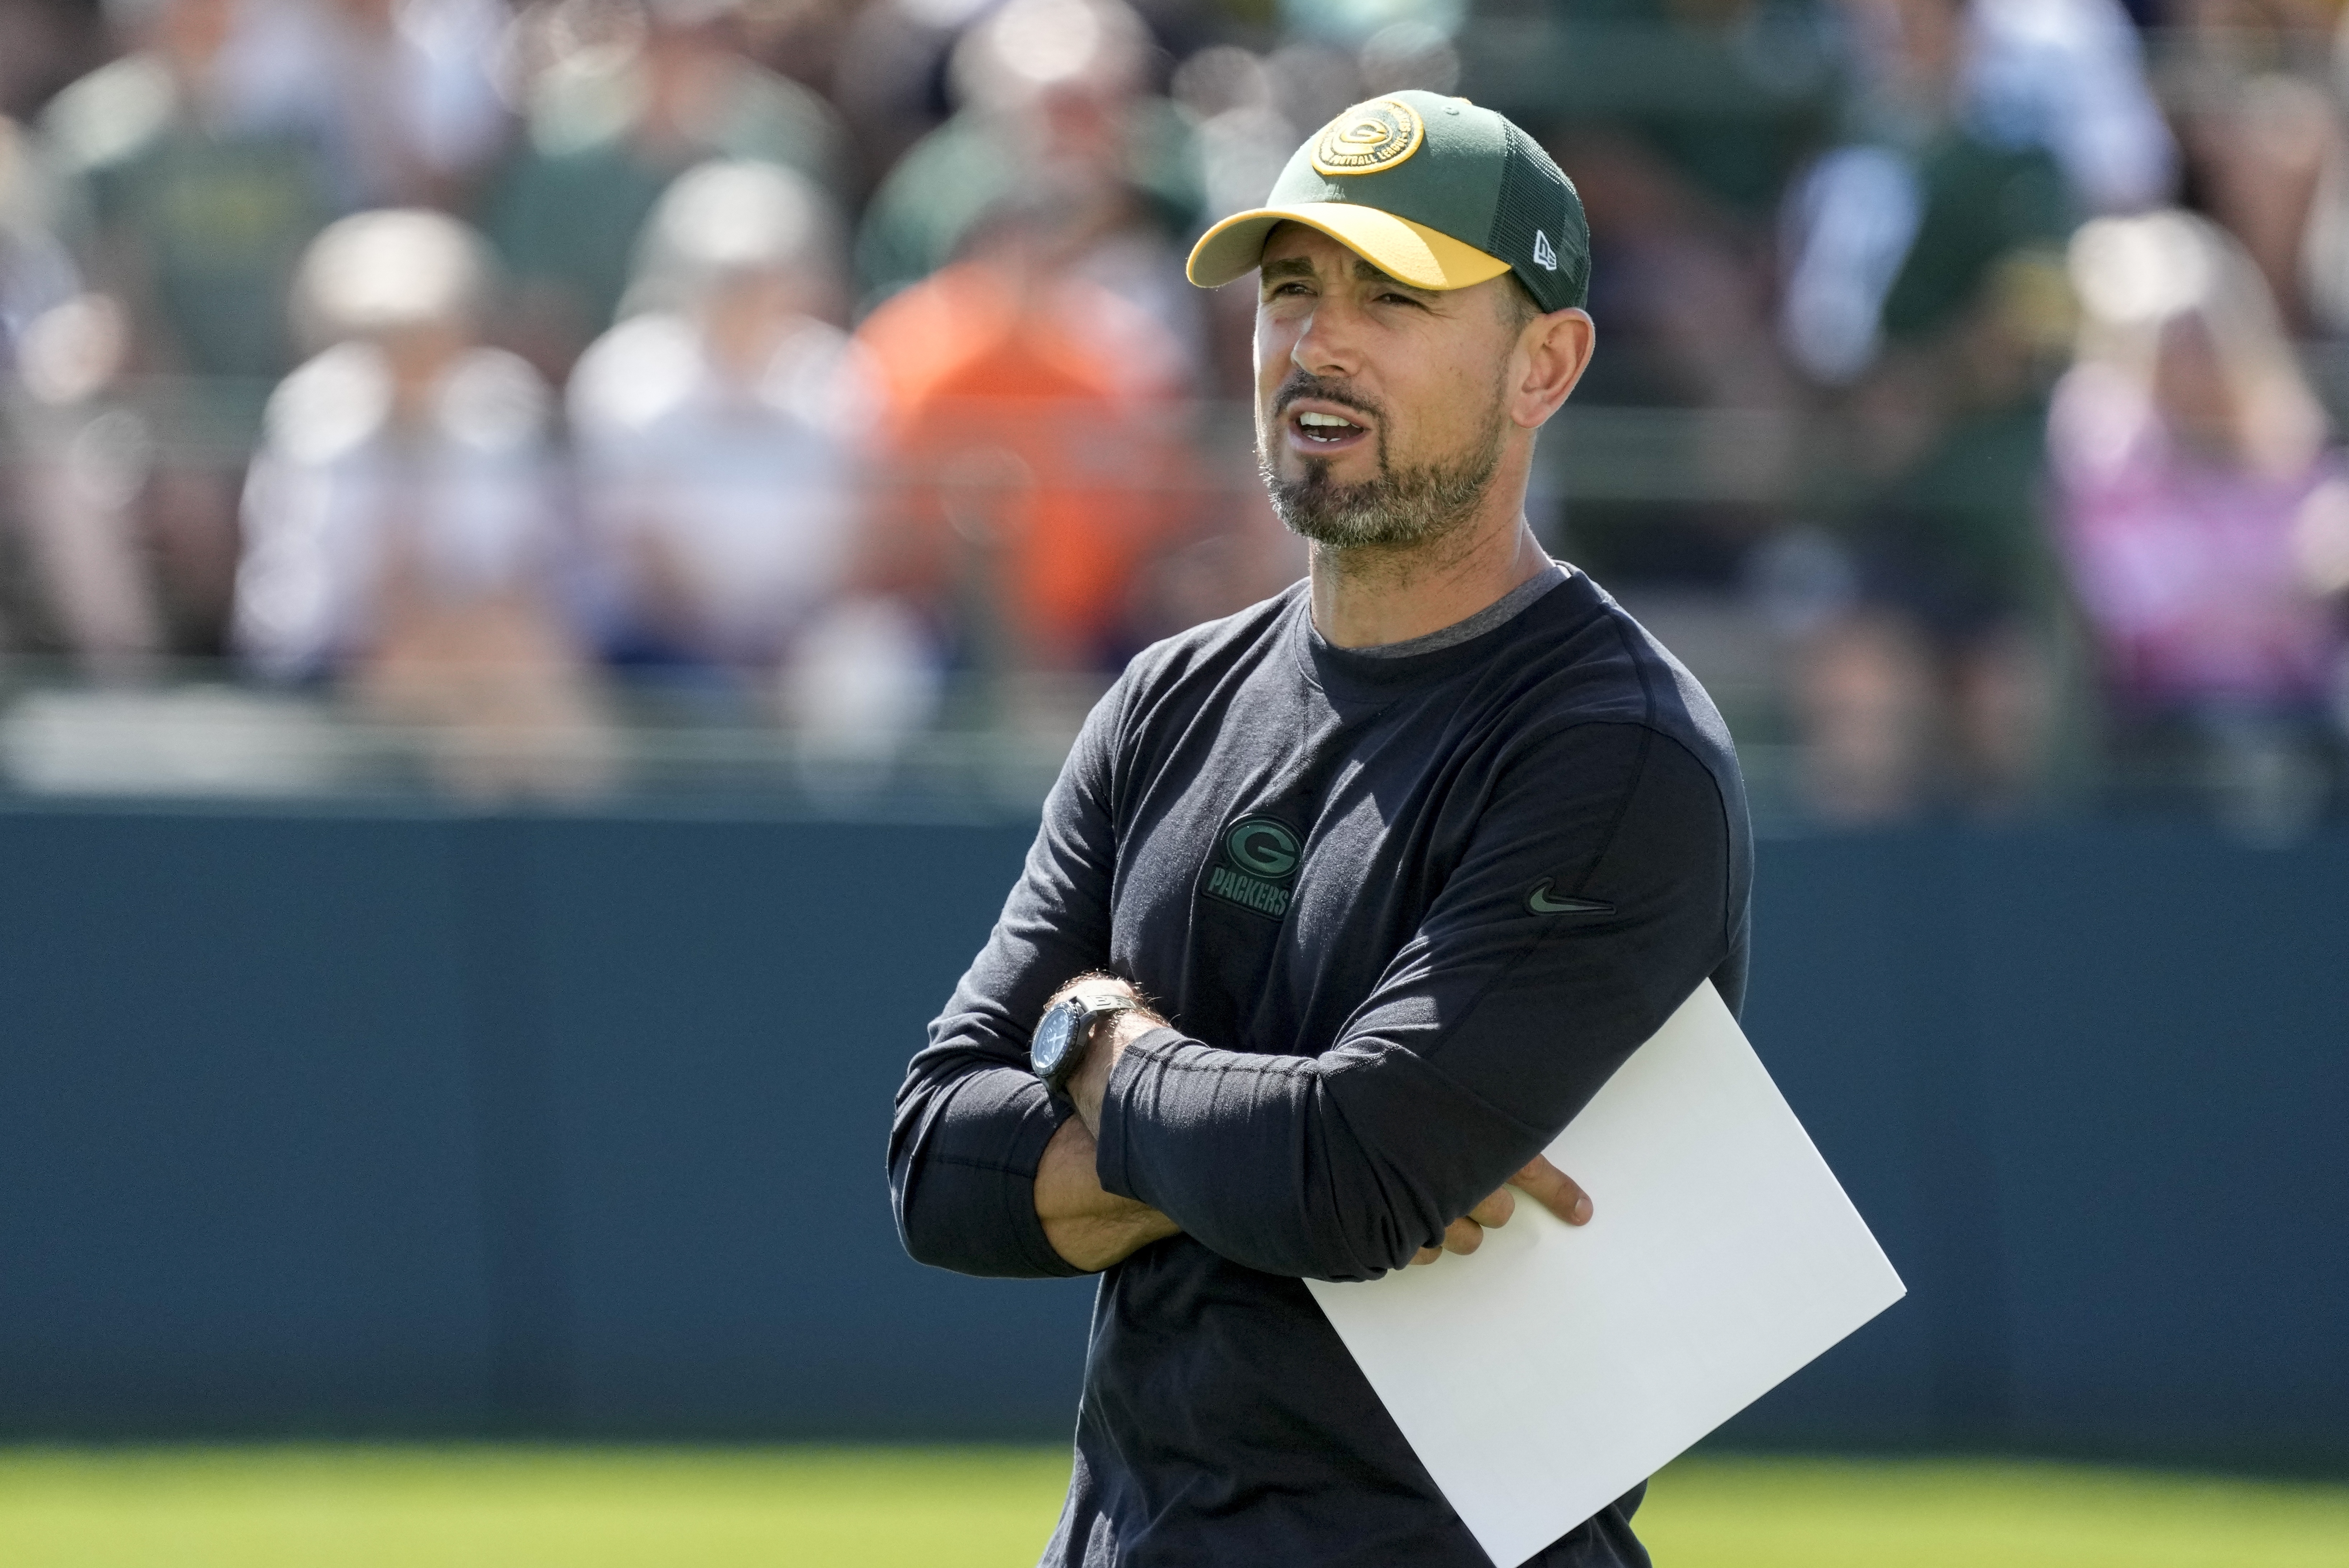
x: 831, y: 362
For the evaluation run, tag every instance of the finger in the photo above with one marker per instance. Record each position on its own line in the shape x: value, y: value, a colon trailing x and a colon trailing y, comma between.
x: 1463, y: 1237
x: 1554, y: 1190
x: 1495, y: 1210
x: 1426, y: 1255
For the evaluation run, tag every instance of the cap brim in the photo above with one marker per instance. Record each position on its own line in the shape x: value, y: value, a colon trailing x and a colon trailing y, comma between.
x: 1408, y: 252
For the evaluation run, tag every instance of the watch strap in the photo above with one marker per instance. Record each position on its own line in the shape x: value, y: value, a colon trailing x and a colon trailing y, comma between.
x: 1095, y: 1007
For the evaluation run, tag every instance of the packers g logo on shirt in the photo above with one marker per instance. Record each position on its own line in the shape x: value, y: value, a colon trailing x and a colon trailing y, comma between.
x: 1369, y: 136
x: 1257, y: 864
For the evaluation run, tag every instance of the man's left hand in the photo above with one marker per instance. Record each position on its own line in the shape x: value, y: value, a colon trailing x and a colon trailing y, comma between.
x: 1540, y: 1180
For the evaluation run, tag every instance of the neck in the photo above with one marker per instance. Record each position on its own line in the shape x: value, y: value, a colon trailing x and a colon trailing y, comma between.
x: 1374, y: 594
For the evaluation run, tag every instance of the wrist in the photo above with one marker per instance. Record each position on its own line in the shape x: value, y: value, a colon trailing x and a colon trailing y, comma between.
x: 1089, y: 1085
x: 1079, y: 1028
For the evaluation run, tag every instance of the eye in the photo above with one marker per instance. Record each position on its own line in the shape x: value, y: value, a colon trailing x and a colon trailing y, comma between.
x: 1391, y: 297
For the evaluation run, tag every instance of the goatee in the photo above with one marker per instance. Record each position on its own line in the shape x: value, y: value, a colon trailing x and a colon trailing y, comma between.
x: 1408, y: 505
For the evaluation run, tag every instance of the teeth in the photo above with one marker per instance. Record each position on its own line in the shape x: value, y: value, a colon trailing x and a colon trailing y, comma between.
x: 1330, y: 420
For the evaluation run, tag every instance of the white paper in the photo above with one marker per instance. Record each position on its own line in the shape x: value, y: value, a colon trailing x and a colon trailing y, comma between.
x: 1550, y: 1372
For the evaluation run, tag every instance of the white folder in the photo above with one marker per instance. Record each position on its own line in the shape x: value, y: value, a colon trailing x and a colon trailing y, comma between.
x: 1552, y: 1369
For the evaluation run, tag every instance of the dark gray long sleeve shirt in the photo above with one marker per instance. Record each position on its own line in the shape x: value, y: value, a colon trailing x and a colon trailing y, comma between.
x: 1405, y: 915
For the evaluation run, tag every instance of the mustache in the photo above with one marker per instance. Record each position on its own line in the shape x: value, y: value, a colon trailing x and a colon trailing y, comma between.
x: 1301, y: 384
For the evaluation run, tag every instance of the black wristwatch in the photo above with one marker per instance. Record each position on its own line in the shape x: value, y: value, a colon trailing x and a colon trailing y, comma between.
x: 1058, y: 1048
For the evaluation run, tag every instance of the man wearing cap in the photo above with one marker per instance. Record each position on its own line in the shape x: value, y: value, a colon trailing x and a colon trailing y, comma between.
x: 1344, y: 905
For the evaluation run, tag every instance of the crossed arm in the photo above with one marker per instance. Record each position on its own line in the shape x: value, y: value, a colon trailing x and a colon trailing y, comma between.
x: 1093, y: 1228
x: 1489, y: 1031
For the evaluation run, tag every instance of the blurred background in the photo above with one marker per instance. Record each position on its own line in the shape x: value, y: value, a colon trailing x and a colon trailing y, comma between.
x: 527, y: 529
x: 608, y: 399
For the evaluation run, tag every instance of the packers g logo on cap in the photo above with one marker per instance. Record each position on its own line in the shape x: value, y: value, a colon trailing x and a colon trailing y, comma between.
x: 1369, y: 136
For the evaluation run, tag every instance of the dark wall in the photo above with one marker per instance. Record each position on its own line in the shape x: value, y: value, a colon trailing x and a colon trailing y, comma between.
x: 2090, y: 1088
x: 383, y: 1123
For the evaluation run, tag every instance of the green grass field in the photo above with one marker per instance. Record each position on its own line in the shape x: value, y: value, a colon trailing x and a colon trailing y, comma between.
x: 330, y: 1507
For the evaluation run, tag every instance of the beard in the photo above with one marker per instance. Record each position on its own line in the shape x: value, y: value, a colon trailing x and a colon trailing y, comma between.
x: 1407, y: 505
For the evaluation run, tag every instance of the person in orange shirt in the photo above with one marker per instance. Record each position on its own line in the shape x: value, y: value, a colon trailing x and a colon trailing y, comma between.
x: 1033, y: 437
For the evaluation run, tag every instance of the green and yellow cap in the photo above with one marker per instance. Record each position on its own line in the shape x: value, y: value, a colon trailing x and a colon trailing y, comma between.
x: 1432, y: 190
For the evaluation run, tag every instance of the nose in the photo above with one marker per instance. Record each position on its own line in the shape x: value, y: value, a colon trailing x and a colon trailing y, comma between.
x: 1331, y: 344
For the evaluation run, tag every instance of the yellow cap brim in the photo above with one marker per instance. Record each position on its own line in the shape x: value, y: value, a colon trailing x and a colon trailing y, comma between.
x: 1408, y: 252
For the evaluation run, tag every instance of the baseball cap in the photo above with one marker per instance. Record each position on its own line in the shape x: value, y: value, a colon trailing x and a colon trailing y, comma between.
x: 1433, y: 191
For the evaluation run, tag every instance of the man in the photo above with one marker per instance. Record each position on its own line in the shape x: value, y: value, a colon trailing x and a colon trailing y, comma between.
x: 1368, y: 888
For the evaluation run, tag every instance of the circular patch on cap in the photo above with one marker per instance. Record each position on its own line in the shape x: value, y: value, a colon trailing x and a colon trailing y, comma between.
x: 1369, y: 136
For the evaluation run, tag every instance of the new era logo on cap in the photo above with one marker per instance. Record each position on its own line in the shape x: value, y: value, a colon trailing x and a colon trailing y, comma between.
x: 1544, y: 257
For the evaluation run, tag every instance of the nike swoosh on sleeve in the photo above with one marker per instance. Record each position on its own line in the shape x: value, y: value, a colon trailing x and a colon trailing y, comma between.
x: 1539, y: 902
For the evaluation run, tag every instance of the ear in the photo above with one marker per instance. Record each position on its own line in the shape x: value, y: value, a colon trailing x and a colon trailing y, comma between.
x: 1552, y: 352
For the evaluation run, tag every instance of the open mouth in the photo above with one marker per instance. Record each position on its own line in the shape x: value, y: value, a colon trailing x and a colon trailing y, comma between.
x: 1324, y: 429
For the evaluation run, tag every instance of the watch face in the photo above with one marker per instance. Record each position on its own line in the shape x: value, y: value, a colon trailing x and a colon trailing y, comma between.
x: 1053, y: 1038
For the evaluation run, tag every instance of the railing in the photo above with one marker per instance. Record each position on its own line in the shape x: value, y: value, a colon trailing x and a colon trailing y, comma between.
x: 198, y: 729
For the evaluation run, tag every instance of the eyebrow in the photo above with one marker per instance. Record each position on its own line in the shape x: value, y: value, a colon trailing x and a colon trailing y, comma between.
x: 1364, y: 272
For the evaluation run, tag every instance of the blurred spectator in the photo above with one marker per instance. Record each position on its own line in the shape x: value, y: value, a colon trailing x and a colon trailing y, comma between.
x: 2205, y: 520
x: 623, y: 97
x: 1056, y: 111
x: 721, y: 431
x: 196, y: 197
x: 191, y: 188
x: 398, y: 520
x: 1033, y: 421
x: 1953, y: 94
x: 1924, y: 282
